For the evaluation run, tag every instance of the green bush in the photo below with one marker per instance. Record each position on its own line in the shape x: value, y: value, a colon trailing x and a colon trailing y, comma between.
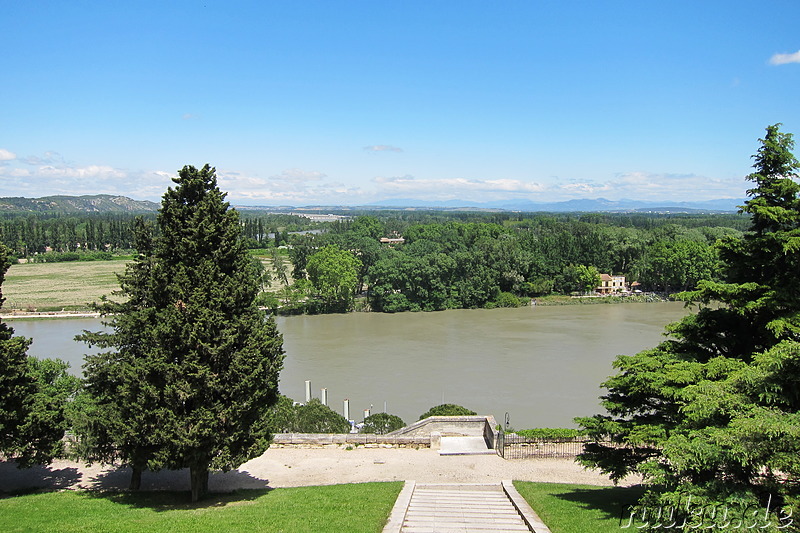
x: 382, y: 423
x: 61, y: 257
x: 550, y: 433
x: 506, y: 299
x: 447, y: 409
x: 313, y: 417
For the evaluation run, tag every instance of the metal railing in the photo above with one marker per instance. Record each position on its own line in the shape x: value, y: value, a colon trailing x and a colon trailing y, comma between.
x: 513, y: 446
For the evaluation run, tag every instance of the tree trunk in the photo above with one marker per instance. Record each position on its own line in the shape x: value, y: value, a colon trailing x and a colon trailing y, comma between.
x: 136, y: 478
x: 199, y: 479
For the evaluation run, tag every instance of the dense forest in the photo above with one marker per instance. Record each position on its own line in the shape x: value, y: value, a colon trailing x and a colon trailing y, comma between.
x: 33, y: 235
x: 434, y: 260
x: 437, y: 261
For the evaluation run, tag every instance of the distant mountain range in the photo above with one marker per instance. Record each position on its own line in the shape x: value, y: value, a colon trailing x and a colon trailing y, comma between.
x: 106, y: 203
x: 593, y: 205
x: 97, y: 203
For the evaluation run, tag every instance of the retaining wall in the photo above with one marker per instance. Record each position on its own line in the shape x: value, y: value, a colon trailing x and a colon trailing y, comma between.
x: 368, y: 440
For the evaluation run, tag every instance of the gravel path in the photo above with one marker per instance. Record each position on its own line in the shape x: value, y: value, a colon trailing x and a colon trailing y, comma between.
x: 293, y: 467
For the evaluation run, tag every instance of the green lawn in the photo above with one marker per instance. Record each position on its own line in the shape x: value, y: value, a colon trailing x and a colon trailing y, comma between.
x: 579, y: 508
x: 360, y: 507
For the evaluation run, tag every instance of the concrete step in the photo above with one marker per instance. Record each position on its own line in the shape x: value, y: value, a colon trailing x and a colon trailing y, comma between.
x: 461, y: 508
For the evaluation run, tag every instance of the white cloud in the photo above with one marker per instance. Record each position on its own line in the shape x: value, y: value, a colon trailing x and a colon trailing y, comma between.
x: 461, y: 188
x: 632, y: 185
x: 101, y: 172
x: 49, y: 158
x: 50, y: 174
x: 783, y: 59
x: 382, y: 148
x: 653, y: 186
x: 293, y: 186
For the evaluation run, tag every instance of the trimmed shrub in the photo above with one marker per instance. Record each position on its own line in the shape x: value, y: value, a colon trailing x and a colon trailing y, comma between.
x: 448, y: 409
x: 312, y: 417
x: 550, y: 433
x: 382, y: 423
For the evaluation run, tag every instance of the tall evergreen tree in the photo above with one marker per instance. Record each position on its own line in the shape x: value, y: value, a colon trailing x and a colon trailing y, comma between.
x: 714, y: 411
x: 195, y: 366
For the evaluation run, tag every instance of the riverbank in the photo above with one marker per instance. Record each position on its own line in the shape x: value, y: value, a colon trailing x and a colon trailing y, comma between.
x: 560, y: 299
x: 36, y: 315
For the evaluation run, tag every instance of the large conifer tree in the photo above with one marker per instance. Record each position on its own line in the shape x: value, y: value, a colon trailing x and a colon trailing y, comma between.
x: 715, y: 410
x: 195, y: 362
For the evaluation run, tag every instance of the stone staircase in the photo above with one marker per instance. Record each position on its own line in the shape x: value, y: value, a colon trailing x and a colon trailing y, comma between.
x: 479, y: 508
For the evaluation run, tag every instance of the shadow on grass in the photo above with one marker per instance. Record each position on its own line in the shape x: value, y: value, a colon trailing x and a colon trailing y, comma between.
x: 17, y: 481
x: 612, y: 502
x: 119, y: 479
x: 162, y: 500
x: 163, y: 490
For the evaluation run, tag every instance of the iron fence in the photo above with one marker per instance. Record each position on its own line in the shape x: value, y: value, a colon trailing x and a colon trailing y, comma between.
x: 513, y: 446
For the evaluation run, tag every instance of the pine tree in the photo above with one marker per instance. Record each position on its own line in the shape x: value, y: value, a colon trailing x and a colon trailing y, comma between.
x: 196, y: 363
x: 714, y: 411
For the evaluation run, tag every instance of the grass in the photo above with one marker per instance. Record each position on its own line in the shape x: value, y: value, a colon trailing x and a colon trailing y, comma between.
x: 579, y: 508
x: 56, y: 286
x: 361, y: 507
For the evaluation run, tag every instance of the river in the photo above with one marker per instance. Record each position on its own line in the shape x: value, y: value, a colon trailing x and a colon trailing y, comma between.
x: 543, y: 365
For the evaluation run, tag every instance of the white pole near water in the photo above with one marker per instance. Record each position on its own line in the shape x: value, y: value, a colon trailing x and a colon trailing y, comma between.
x: 308, y: 390
x: 347, y: 409
x: 323, y: 396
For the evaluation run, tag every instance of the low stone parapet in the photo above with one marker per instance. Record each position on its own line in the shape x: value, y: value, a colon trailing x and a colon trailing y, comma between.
x: 452, y: 426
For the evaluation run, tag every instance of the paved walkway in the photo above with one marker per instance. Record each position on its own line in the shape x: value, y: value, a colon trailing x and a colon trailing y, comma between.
x: 461, y: 508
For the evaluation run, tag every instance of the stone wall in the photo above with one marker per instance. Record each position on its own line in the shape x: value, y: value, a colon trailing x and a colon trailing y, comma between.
x: 343, y: 440
x: 418, y: 435
x: 453, y: 426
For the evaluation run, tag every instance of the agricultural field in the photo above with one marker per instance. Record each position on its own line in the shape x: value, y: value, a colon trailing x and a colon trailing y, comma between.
x: 74, y: 285
x: 70, y: 286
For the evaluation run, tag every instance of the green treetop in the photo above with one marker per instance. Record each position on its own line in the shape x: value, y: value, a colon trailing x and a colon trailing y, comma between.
x: 334, y: 275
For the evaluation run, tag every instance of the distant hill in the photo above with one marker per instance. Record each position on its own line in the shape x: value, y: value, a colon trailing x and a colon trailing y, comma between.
x: 594, y: 205
x: 97, y: 203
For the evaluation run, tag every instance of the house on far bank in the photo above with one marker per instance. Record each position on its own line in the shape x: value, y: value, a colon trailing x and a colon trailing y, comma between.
x: 387, y: 240
x: 611, y: 284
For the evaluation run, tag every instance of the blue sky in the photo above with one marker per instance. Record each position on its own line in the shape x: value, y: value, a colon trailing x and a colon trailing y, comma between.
x: 348, y: 102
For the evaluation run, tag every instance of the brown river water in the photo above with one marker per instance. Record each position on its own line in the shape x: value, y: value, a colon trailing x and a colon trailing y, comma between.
x: 542, y: 365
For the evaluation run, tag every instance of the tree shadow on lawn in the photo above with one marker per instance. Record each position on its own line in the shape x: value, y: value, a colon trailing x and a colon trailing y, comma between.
x: 170, y: 500
x: 16, y: 481
x: 612, y: 502
x: 161, y: 490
